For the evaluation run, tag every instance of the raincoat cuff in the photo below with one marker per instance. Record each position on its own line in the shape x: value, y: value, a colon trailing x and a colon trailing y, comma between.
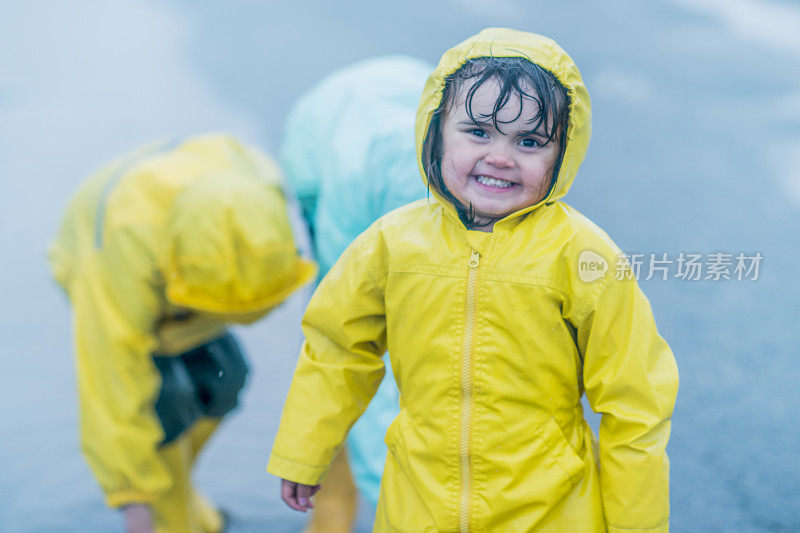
x: 663, y: 528
x: 128, y: 497
x: 294, y: 471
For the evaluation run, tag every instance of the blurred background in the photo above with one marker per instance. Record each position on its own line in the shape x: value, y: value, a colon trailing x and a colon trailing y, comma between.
x: 696, y: 149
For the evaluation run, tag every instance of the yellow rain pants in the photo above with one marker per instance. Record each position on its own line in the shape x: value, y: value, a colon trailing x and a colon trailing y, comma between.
x: 181, y: 509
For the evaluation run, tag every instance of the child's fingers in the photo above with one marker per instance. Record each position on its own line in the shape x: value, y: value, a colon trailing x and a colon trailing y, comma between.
x: 304, y: 496
x: 298, y: 496
x: 289, y: 495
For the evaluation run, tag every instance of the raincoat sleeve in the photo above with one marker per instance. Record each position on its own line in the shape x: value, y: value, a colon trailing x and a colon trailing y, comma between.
x: 340, y: 365
x: 115, y: 306
x: 631, y: 379
x: 61, y: 252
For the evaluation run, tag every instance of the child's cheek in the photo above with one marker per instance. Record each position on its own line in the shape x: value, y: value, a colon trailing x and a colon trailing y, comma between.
x: 462, y: 161
x: 449, y: 165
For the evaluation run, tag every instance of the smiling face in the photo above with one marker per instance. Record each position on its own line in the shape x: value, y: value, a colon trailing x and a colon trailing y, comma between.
x: 496, y: 167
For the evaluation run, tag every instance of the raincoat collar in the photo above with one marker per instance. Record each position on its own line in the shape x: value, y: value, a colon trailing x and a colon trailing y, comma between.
x: 503, y: 42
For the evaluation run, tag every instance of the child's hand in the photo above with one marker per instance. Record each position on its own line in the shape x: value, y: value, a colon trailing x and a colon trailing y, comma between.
x: 138, y: 518
x: 298, y: 496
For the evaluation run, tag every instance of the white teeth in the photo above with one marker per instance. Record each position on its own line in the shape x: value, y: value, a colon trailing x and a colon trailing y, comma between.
x: 493, y: 182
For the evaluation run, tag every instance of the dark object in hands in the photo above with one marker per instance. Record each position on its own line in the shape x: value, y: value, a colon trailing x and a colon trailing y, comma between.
x: 205, y: 381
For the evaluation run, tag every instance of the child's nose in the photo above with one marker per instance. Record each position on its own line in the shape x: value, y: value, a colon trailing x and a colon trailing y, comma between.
x: 499, y: 159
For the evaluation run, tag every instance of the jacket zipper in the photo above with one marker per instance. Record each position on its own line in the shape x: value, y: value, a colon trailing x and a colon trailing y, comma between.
x: 466, y: 393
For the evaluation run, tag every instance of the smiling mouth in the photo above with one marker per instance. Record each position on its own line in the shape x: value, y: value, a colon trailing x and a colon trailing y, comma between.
x: 494, y: 182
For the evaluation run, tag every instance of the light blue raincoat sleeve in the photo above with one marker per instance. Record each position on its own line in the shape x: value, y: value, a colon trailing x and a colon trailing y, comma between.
x: 349, y: 156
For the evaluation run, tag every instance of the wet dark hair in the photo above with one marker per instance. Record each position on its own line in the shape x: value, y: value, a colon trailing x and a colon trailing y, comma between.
x: 516, y: 76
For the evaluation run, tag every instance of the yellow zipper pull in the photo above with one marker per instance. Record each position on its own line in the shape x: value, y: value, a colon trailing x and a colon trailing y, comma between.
x: 474, y: 259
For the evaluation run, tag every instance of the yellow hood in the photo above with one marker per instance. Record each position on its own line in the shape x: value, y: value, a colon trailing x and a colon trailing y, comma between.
x: 502, y: 42
x: 231, y: 249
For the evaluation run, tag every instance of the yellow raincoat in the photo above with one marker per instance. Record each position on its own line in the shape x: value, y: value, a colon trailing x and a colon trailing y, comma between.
x: 493, y: 338
x: 157, y: 251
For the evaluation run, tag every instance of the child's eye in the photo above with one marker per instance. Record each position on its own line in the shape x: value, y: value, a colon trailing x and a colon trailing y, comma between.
x: 530, y: 143
x: 478, y: 133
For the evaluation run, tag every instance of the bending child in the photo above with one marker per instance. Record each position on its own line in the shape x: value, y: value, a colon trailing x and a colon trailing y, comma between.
x: 158, y: 252
x: 494, y: 334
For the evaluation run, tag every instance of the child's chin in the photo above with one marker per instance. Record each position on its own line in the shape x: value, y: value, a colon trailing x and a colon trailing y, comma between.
x: 488, y: 210
x: 490, y: 215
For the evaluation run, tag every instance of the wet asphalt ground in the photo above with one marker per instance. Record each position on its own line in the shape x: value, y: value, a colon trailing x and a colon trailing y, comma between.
x: 695, y: 149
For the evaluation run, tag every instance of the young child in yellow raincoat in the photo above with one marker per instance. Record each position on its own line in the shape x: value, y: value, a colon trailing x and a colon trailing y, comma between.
x: 498, y: 315
x: 157, y: 252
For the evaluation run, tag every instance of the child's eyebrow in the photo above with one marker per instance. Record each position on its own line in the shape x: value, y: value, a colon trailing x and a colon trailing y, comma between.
x: 538, y: 132
x: 488, y: 123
